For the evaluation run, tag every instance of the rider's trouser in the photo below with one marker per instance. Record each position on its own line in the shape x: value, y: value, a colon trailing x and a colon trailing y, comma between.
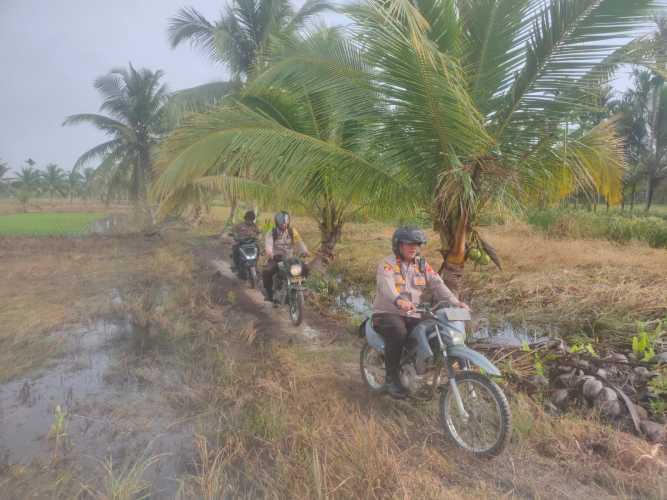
x: 268, y: 272
x: 394, y: 328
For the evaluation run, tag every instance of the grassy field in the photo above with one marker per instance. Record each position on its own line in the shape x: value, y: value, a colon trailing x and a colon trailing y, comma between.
x: 47, y: 224
x: 281, y: 417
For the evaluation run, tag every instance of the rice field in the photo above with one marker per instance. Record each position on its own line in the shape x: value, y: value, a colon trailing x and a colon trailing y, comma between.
x: 47, y: 224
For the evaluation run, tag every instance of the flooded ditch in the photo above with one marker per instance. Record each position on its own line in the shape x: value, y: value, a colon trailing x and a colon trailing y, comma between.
x: 104, y: 390
x: 503, y: 334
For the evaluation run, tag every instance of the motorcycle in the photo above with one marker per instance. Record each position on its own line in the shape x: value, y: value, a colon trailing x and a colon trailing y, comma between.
x: 474, y: 411
x: 246, y: 262
x: 288, y: 288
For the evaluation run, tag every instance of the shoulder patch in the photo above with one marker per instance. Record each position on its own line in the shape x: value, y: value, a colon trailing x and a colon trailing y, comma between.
x: 387, y: 267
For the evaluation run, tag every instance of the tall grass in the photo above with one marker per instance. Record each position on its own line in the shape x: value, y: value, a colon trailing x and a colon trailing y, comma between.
x: 615, y: 227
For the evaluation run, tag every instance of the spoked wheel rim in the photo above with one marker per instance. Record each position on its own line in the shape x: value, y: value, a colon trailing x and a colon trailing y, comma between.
x: 296, y: 308
x: 373, y: 368
x: 483, y: 429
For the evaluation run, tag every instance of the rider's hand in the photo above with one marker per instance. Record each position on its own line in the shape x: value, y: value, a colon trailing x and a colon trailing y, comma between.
x: 405, y: 305
x: 269, y: 255
x: 463, y: 305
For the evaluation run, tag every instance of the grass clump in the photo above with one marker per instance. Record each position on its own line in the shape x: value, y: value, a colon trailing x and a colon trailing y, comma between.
x: 46, y: 224
x: 615, y: 227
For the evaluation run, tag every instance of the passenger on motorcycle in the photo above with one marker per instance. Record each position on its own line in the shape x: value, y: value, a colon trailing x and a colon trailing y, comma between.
x: 245, y: 230
x: 280, y: 244
x: 402, y: 278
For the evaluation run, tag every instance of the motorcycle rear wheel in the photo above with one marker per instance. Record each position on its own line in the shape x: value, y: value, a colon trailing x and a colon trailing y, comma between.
x: 371, y: 363
x: 488, y: 428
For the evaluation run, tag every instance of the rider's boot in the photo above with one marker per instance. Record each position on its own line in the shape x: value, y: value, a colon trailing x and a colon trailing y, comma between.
x: 395, y: 389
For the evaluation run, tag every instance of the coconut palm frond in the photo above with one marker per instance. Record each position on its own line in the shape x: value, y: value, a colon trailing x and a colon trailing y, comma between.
x: 567, y: 38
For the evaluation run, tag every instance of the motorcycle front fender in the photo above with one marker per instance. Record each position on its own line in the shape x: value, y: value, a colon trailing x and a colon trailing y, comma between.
x: 463, y: 352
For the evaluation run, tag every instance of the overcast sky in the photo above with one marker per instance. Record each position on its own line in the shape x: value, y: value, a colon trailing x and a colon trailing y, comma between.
x: 51, y: 51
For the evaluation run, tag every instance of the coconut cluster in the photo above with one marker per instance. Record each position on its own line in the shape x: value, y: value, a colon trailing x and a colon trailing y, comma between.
x: 616, y: 387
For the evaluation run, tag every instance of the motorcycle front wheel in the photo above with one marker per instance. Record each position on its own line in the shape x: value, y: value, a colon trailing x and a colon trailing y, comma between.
x: 487, y: 429
x: 252, y: 277
x: 296, y: 307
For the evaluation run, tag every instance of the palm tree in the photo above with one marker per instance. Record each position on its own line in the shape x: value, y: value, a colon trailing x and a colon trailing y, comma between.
x: 468, y: 99
x: 74, y: 183
x: 241, y: 38
x: 89, y: 177
x: 4, y: 181
x: 645, y: 128
x: 28, y: 183
x: 53, y: 180
x: 134, y: 100
x: 473, y: 96
x: 278, y: 130
x: 28, y: 178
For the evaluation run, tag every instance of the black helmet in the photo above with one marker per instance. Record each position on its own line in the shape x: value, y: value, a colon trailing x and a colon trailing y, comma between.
x: 281, y: 218
x: 407, y: 234
x: 249, y: 216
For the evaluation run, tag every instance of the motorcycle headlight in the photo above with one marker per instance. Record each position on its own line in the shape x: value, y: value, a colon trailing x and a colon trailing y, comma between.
x: 295, y: 269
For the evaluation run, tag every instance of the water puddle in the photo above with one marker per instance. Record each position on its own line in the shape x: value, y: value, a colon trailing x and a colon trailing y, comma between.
x: 111, y: 224
x: 354, y: 302
x: 501, y: 335
x: 509, y: 335
x: 109, y: 411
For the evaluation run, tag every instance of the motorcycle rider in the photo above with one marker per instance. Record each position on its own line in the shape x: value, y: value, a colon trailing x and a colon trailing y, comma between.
x: 280, y: 244
x: 244, y: 230
x: 402, y: 278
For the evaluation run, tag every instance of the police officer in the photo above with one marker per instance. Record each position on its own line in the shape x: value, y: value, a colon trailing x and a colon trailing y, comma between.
x: 280, y: 244
x: 244, y: 230
x: 402, y: 278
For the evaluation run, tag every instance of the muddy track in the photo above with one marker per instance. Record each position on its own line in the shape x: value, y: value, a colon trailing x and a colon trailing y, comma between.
x: 272, y: 324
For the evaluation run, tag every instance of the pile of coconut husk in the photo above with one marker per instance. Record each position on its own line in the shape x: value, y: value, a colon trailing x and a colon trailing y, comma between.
x: 616, y: 385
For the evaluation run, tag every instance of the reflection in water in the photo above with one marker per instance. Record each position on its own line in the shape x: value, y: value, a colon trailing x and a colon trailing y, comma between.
x: 114, y: 223
x: 503, y: 334
x: 112, y: 409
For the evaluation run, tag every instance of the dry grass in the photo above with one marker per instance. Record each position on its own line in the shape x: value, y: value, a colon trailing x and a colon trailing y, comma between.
x: 593, y: 285
x: 50, y: 282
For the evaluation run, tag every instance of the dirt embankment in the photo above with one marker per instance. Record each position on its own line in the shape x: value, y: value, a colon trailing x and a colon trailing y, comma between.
x: 209, y: 392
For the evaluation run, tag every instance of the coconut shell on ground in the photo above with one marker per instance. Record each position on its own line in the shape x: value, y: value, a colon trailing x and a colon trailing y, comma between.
x: 560, y: 398
x: 654, y: 431
x: 592, y: 388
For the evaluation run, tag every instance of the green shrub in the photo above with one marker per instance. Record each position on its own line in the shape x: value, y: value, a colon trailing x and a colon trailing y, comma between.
x: 616, y: 227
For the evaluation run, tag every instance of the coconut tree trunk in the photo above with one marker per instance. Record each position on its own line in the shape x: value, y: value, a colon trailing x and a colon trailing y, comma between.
x: 232, y: 212
x: 453, y: 237
x: 330, y: 222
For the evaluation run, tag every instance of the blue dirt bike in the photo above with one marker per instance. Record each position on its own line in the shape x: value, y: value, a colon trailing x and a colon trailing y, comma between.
x: 474, y: 411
